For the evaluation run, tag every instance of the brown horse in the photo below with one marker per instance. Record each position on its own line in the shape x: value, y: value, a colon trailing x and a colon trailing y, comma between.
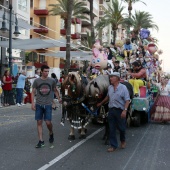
x: 72, y: 96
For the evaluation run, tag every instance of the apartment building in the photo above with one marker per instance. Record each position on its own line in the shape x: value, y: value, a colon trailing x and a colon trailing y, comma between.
x: 48, y: 26
x: 22, y: 10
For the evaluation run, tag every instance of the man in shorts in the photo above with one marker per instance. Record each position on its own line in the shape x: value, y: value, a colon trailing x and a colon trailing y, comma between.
x: 44, y: 87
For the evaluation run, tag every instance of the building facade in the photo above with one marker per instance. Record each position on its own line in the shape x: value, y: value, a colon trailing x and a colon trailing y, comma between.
x: 21, y: 8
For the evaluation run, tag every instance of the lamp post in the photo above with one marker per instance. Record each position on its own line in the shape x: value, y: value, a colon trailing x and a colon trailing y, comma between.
x: 10, y: 36
x: 16, y: 32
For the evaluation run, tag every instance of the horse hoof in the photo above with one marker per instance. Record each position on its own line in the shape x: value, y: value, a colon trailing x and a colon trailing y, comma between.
x: 71, y: 137
x: 82, y: 137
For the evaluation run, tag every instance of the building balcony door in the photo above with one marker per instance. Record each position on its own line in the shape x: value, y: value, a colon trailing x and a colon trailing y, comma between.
x: 42, y: 4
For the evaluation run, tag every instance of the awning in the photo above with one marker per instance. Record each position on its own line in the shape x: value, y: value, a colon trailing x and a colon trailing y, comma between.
x: 75, y: 55
x: 22, y: 24
x: 34, y: 43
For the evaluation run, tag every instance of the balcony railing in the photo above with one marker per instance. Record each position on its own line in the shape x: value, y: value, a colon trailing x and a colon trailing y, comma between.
x: 40, y: 11
x: 41, y: 29
x: 63, y: 31
x: 75, y: 36
x: 86, y: 21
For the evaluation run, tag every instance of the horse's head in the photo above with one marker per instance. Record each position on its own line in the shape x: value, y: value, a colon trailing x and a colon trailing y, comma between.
x: 69, y: 86
x: 96, y: 90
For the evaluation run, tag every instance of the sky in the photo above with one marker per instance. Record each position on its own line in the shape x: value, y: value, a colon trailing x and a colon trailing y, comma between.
x: 159, y: 9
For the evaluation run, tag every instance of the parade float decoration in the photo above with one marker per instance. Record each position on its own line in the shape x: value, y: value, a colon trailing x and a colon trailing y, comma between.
x: 99, y: 59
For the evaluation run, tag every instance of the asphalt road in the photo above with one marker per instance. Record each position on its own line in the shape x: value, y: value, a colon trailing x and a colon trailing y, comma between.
x: 147, y: 146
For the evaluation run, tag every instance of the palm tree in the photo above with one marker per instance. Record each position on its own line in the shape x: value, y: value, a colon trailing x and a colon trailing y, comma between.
x: 68, y: 9
x: 140, y: 20
x: 91, y: 19
x: 130, y: 3
x: 114, y: 16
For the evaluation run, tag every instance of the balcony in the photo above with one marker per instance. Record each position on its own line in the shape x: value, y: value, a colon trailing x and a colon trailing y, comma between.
x: 63, y: 31
x: 76, y: 21
x: 84, y: 31
x: 75, y: 36
x: 103, y: 4
x: 40, y: 11
x: 41, y: 29
x: 62, y: 48
x: 86, y: 21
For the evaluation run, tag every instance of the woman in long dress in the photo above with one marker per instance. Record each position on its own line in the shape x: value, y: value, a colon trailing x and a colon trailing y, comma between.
x: 161, y: 108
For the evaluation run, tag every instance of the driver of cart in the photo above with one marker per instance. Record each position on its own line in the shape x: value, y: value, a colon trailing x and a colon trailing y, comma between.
x: 138, y: 77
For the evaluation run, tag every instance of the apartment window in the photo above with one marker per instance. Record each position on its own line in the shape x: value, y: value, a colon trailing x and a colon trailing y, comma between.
x: 22, y: 5
x: 31, y: 21
x: 43, y: 21
x: 41, y: 58
x: 31, y: 3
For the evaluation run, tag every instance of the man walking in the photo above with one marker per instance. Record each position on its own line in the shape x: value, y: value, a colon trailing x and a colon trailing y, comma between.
x: 44, y: 87
x: 118, y: 97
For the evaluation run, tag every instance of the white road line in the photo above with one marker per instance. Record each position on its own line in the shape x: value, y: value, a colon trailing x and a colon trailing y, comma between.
x: 55, y: 160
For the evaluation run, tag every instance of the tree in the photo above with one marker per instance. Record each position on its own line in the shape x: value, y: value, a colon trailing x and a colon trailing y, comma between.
x: 68, y: 9
x: 114, y: 16
x: 130, y: 3
x: 140, y: 20
x: 91, y: 19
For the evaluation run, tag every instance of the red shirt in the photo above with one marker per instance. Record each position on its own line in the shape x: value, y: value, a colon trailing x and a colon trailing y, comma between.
x: 7, y: 86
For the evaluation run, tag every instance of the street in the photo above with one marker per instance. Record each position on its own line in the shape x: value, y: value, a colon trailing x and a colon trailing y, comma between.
x: 147, y: 146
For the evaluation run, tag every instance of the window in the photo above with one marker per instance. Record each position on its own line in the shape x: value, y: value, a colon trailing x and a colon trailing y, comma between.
x: 22, y: 5
x: 31, y: 21
x: 43, y: 21
x: 41, y: 58
x: 31, y: 3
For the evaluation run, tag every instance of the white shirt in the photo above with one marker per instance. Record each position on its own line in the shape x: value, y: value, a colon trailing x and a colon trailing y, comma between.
x: 165, y: 91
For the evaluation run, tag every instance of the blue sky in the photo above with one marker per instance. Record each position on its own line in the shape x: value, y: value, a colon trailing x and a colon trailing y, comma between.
x: 160, y: 10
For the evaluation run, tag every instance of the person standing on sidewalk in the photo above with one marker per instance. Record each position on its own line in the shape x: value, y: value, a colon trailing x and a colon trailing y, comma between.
x: 118, y: 97
x: 20, y: 87
x: 44, y: 88
x: 7, y: 87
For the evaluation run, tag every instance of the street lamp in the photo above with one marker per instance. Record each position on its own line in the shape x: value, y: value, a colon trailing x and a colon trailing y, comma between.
x: 16, y: 32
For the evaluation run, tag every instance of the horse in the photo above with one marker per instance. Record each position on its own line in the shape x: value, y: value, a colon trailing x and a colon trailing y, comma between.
x: 72, y: 96
x: 95, y: 92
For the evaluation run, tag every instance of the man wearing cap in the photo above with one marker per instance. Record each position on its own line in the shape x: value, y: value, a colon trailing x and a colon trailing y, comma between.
x: 118, y: 97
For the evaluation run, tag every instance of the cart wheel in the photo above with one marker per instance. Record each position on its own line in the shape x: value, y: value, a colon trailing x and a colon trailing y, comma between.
x: 129, y: 117
x: 136, y: 119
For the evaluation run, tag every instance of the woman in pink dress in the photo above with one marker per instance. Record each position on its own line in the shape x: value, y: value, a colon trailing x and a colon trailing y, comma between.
x: 161, y: 108
x: 7, y: 87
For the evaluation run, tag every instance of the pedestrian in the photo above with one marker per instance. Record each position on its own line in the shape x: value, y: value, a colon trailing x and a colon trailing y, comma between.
x: 20, y: 87
x: 53, y: 75
x: 7, y: 87
x: 118, y: 97
x: 1, y: 93
x: 44, y: 88
x: 161, y: 109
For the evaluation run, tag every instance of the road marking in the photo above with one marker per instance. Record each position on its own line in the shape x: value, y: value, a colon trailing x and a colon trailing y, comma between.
x: 146, y: 131
x: 55, y: 160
